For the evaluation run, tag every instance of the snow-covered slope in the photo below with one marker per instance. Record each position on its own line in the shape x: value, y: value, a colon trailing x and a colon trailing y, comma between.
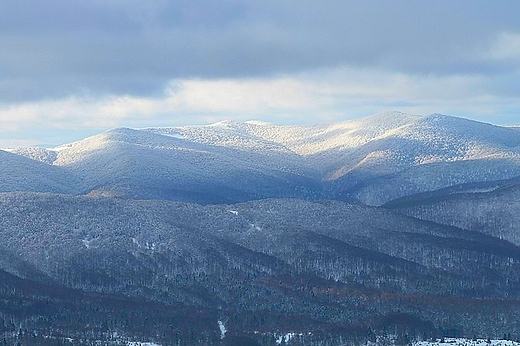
x: 36, y: 153
x: 147, y: 165
x: 372, y: 160
x: 434, y: 152
x: 381, y: 157
x: 18, y: 173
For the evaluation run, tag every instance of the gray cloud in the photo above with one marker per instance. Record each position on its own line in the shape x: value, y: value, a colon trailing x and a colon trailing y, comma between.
x: 54, y: 48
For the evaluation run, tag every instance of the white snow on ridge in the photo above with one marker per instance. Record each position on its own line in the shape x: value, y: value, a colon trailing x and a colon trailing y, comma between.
x: 35, y: 153
x: 225, y: 134
x: 166, y: 131
x: 388, y: 143
x: 425, y: 139
x: 258, y: 122
x: 311, y: 140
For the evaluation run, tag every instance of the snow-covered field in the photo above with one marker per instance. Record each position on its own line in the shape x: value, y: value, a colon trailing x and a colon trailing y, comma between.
x: 467, y: 342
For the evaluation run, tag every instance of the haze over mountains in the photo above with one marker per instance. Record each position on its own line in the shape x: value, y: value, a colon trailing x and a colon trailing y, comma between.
x: 386, y: 229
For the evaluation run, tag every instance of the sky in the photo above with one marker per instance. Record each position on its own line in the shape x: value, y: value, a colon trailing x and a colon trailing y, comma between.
x: 69, y: 69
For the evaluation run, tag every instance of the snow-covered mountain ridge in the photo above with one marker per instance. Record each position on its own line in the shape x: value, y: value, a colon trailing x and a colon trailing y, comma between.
x: 373, y: 160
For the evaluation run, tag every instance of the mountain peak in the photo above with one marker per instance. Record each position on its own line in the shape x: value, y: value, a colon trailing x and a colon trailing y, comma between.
x: 224, y: 123
x: 258, y: 123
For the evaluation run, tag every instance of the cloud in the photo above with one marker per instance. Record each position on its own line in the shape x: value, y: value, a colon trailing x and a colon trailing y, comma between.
x: 97, y: 64
x: 59, y: 48
x: 506, y: 48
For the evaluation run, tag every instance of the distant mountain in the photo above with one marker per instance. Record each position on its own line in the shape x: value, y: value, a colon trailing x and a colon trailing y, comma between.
x: 371, y: 160
x: 389, y: 155
x: 19, y: 173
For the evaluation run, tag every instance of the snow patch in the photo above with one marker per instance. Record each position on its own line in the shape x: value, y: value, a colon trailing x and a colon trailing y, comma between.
x: 223, y: 330
x: 255, y: 227
x: 285, y: 338
x: 86, y: 243
x: 147, y: 245
x: 467, y: 342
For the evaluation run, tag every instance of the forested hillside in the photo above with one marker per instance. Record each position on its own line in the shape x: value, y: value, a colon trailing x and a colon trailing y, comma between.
x: 334, y: 268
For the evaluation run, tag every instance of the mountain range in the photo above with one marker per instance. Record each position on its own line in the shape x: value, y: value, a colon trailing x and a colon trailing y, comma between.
x: 372, y: 160
x: 384, y: 230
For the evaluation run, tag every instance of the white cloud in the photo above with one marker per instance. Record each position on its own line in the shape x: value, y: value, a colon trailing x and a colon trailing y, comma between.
x: 251, y: 96
x: 506, y: 47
